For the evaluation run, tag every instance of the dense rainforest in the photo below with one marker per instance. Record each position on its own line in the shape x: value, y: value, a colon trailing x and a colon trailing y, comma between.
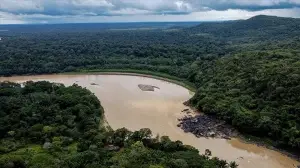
x: 247, y: 72
x: 48, y: 125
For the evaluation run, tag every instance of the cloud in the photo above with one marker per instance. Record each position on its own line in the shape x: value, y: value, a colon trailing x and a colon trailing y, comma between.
x: 7, y: 18
x: 252, y: 5
x: 52, y: 10
x: 111, y: 7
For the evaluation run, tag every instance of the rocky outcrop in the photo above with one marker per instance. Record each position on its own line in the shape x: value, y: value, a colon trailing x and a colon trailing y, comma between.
x: 206, y: 126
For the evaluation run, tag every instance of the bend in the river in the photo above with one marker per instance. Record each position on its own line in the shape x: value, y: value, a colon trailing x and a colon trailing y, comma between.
x: 126, y: 105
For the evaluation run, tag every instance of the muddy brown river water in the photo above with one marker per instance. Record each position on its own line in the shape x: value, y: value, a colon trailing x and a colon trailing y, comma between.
x: 127, y: 106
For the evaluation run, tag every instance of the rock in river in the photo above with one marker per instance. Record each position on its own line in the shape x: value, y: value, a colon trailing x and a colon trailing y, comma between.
x: 206, y: 126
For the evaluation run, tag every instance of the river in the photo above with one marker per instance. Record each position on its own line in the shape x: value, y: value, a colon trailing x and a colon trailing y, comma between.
x: 127, y: 106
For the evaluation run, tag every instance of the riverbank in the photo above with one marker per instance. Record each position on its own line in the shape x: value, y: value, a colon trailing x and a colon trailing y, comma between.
x: 269, y: 144
x: 126, y: 106
x: 194, y: 123
x: 131, y: 72
x: 165, y: 77
x: 104, y: 124
x: 156, y: 75
x: 205, y: 126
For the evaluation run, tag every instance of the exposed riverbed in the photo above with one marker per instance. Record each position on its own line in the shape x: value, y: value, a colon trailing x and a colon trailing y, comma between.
x: 126, y: 105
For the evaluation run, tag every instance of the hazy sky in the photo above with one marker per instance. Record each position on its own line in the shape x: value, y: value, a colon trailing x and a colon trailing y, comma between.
x: 65, y: 11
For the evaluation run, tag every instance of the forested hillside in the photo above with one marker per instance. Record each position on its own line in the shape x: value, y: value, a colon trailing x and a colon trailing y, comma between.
x: 262, y: 28
x: 246, y: 71
x: 258, y: 92
x: 48, y: 125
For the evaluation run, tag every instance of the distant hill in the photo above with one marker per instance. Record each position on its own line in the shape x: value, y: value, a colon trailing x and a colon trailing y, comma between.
x: 260, y: 26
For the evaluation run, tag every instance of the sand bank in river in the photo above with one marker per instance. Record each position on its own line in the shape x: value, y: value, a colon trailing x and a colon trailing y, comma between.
x: 147, y: 87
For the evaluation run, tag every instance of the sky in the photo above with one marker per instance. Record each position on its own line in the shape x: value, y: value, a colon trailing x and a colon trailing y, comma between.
x: 93, y: 11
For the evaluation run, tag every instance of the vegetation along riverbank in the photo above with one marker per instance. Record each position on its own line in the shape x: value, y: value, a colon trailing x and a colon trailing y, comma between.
x: 245, y: 72
x: 49, y: 125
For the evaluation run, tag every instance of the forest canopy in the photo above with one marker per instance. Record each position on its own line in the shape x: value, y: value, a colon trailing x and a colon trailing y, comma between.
x: 50, y: 125
x: 246, y: 72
